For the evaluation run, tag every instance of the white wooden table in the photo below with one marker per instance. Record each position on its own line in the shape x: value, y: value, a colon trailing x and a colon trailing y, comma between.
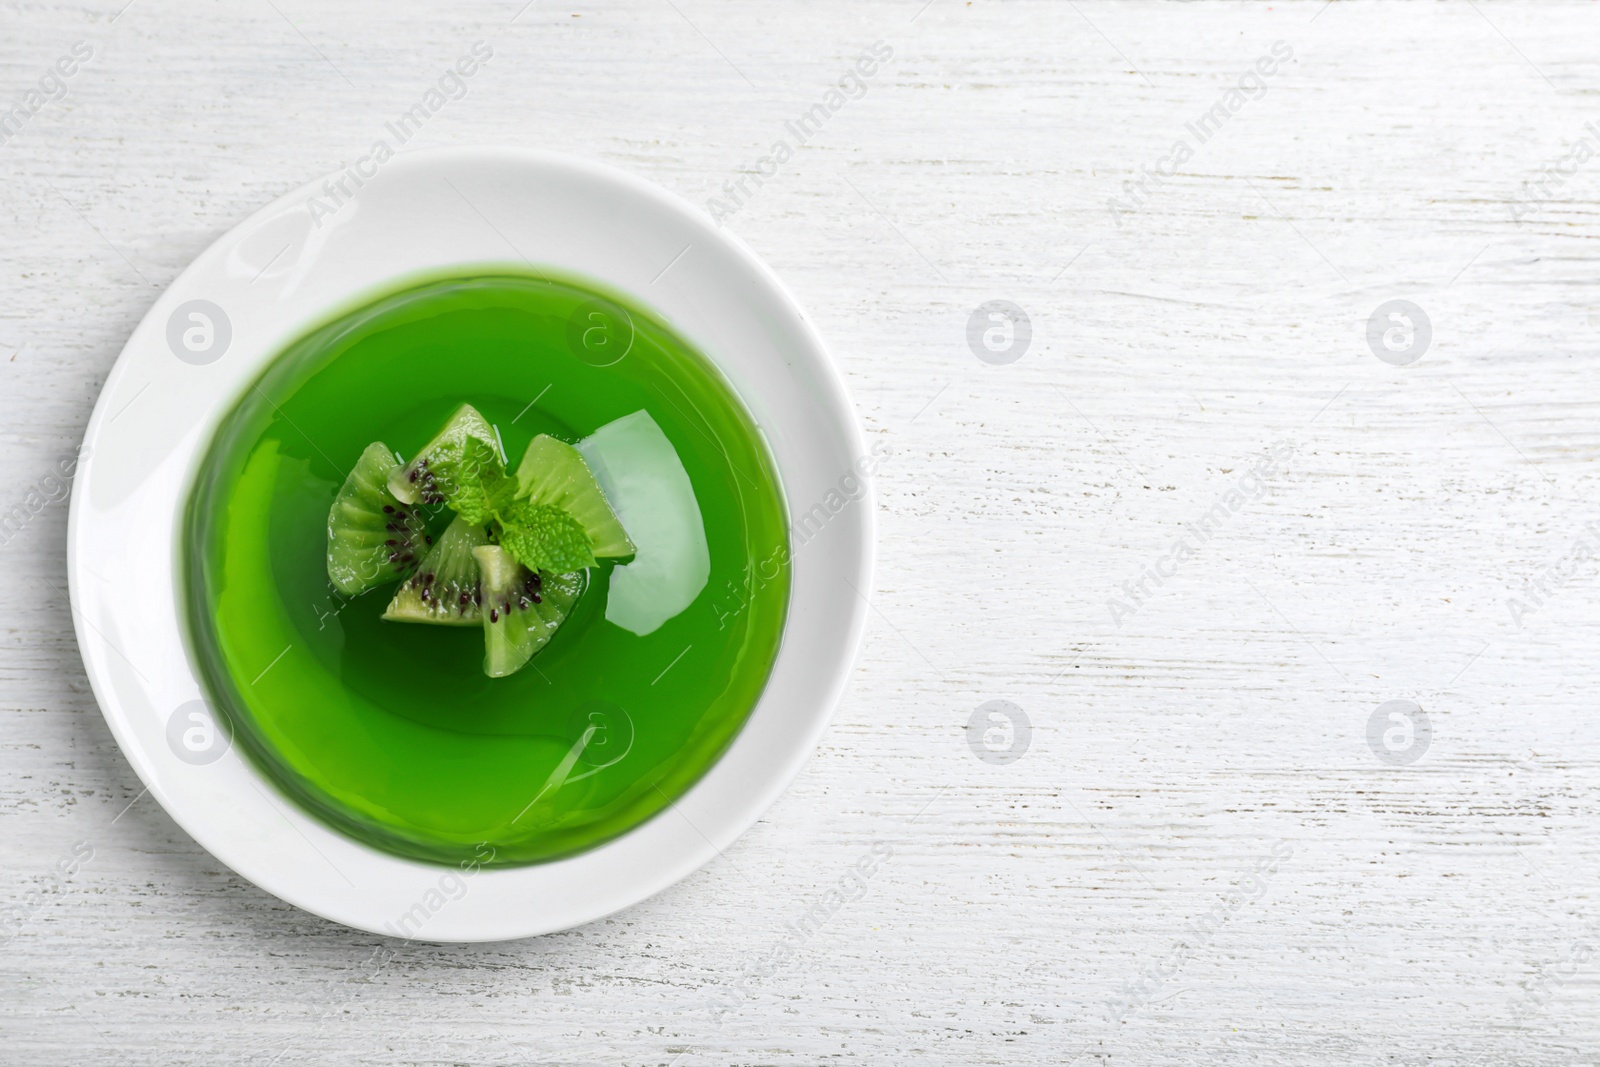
x: 1198, y: 857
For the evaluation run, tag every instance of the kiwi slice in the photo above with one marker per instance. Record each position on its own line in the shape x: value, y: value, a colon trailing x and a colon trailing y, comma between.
x: 372, y: 537
x: 437, y: 471
x: 553, y: 472
x: 522, y: 609
x: 444, y: 589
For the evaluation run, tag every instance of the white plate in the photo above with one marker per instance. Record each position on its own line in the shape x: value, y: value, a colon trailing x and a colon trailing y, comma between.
x: 283, y: 270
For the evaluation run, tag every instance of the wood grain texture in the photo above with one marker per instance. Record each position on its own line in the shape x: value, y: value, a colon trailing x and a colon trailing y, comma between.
x: 1442, y: 912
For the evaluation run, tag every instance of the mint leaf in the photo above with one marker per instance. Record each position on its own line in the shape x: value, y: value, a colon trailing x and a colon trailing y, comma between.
x: 543, y: 537
x: 473, y: 482
x: 471, y: 503
x: 500, y: 489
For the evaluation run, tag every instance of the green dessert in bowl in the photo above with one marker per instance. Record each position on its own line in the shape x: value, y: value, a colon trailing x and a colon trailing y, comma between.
x: 471, y: 568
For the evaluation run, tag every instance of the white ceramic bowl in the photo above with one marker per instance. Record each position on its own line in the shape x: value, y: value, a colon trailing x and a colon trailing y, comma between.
x: 292, y: 264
